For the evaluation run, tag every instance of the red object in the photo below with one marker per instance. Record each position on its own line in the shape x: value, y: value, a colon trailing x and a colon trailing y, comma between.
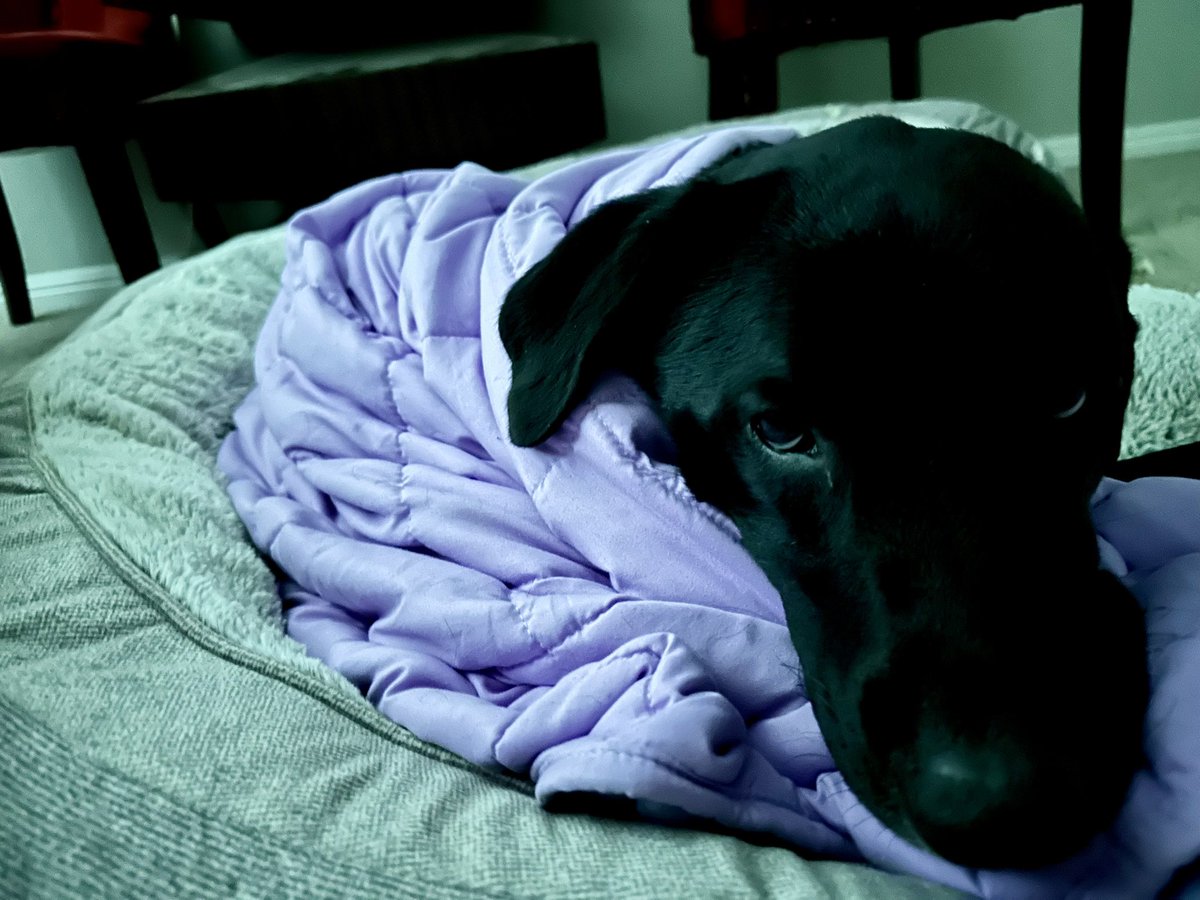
x: 40, y: 27
x: 716, y: 22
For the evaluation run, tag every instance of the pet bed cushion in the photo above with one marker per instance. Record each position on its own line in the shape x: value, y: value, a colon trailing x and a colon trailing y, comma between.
x: 160, y: 733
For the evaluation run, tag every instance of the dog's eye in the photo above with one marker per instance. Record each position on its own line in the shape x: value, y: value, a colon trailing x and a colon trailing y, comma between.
x: 1069, y: 406
x: 782, y: 434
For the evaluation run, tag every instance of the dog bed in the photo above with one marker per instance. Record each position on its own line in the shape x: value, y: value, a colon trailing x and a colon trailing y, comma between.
x: 164, y: 737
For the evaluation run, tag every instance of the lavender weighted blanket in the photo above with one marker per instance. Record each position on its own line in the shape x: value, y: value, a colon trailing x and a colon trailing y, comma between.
x: 571, y: 611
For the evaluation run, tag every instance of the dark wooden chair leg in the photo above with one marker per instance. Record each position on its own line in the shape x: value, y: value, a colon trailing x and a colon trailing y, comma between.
x: 12, y: 269
x: 742, y: 81
x: 110, y: 178
x: 1103, y: 63
x: 904, y: 65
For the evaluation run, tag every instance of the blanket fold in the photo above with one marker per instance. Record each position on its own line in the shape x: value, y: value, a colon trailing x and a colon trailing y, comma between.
x: 571, y: 611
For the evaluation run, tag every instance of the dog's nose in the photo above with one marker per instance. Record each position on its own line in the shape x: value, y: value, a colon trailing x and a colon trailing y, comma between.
x: 960, y: 785
x: 1015, y: 759
x: 984, y: 806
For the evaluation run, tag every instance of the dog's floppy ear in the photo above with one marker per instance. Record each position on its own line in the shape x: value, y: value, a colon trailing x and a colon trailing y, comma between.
x: 553, y: 316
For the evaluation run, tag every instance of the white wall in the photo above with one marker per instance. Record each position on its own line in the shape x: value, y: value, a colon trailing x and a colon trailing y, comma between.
x: 57, y: 223
x: 653, y: 82
x: 54, y: 218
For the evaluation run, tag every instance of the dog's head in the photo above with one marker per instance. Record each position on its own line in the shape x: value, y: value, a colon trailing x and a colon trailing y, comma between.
x: 899, y: 360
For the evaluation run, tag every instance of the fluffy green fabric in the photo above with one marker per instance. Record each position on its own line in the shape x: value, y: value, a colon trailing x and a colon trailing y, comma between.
x: 1164, y: 407
x: 129, y: 415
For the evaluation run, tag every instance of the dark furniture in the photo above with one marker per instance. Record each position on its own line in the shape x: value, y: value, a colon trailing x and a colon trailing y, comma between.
x: 70, y: 72
x: 296, y: 127
x: 342, y: 105
x: 743, y: 39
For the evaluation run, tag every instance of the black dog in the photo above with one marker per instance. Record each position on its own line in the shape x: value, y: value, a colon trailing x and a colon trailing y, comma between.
x: 899, y: 359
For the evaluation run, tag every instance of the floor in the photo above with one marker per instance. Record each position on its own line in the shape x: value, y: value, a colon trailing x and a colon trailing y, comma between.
x: 1162, y: 223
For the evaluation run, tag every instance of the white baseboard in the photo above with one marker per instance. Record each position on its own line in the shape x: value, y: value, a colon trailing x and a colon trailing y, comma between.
x: 64, y: 289
x: 1141, y: 141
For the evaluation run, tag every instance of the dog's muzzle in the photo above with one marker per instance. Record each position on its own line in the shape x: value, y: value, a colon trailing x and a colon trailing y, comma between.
x: 1019, y: 759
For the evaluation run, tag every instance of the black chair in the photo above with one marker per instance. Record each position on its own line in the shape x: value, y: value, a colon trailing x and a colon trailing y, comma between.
x: 70, y: 73
x: 743, y: 39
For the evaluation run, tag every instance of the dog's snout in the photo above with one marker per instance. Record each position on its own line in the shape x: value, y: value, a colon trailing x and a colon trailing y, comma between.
x: 984, y: 805
x: 968, y: 802
x: 971, y: 786
x: 965, y: 784
x: 1018, y: 752
x: 1001, y: 800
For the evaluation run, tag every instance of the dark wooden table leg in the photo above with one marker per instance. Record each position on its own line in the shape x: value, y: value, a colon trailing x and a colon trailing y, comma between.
x: 110, y: 178
x: 1103, y: 63
x: 12, y: 269
x: 904, y: 65
x: 743, y: 80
